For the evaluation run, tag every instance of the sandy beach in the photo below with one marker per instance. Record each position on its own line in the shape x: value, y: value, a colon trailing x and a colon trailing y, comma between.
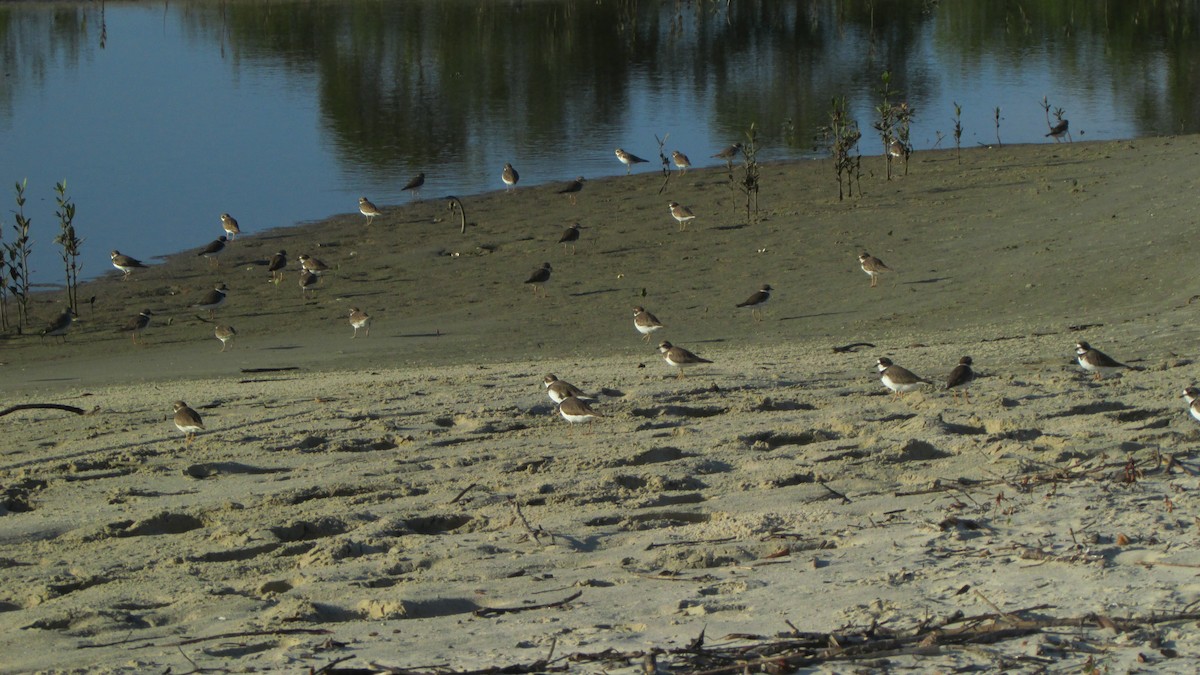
x: 411, y: 502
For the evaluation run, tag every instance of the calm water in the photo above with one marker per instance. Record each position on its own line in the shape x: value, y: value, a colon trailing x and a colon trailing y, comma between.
x: 163, y: 115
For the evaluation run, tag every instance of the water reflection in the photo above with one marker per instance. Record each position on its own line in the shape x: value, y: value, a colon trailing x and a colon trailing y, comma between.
x: 356, y: 96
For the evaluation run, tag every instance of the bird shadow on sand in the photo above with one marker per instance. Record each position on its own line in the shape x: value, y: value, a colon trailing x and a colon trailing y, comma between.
x: 601, y: 291
x: 811, y: 316
x: 931, y: 280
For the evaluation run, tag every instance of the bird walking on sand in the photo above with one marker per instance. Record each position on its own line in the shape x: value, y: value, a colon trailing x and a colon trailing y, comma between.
x: 308, y: 282
x: 125, y: 263
x: 681, y: 161
x: 681, y: 214
x: 359, y: 319
x: 1096, y: 362
x: 312, y: 265
x: 961, y: 377
x: 213, y: 299
x: 757, y: 300
x: 628, y: 159
x: 230, y: 225
x: 510, y: 177
x: 729, y: 154
x: 368, y: 209
x: 188, y: 421
x: 1059, y: 130
x: 872, y: 266
x: 898, y: 379
x: 570, y: 236
x: 678, y: 357
x: 60, y: 325
x: 575, y: 410
x: 224, y: 333
x: 276, y: 265
x: 1192, y: 395
x: 572, y: 188
x: 137, y: 324
x: 213, y: 250
x: 539, y: 277
x: 558, y: 389
x: 898, y: 150
x: 414, y: 185
x: 645, y: 322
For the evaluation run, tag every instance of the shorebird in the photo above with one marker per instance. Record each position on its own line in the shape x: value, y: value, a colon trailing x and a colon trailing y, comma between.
x: 1094, y: 361
x: 570, y: 236
x: 137, y: 324
x: 1059, y: 130
x: 961, y: 377
x: 628, y: 159
x: 558, y: 390
x: 213, y: 250
x: 898, y: 150
x: 125, y: 263
x: 729, y: 154
x: 213, y: 299
x: 60, y: 325
x: 575, y: 410
x: 678, y: 357
x: 230, y: 225
x: 898, y: 379
x: 539, y: 277
x: 681, y: 214
x: 188, y: 421
x: 368, y: 209
x: 312, y: 265
x: 1192, y: 395
x: 359, y: 319
x: 307, y: 281
x: 415, y: 184
x: 872, y: 266
x: 276, y: 265
x: 224, y: 333
x: 681, y: 161
x: 510, y: 177
x: 572, y: 188
x: 645, y: 322
x: 757, y: 300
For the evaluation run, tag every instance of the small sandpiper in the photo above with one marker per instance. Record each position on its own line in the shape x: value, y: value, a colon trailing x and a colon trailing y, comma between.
x: 645, y: 322
x: 1096, y: 362
x: 213, y: 250
x: 678, y: 357
x: 368, y: 209
x: 230, y: 225
x: 681, y: 161
x: 628, y: 159
x: 188, y: 421
x: 961, y: 377
x: 125, y: 263
x: 224, y: 333
x: 359, y: 319
x: 872, y: 266
x: 510, y: 177
x: 898, y: 379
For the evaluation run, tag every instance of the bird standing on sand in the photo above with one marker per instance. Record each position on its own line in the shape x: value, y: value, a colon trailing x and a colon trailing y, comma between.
x: 678, y: 357
x: 213, y: 299
x: 60, y: 325
x: 1096, y: 362
x: 575, y: 410
x: 898, y: 379
x: 961, y: 377
x: 188, y: 421
x: 213, y: 250
x: 368, y: 209
x: 645, y: 322
x: 558, y: 390
x: 757, y: 300
x: 224, y: 333
x: 898, y: 150
x: 570, y: 236
x: 230, y: 225
x: 1059, y: 130
x: 415, y: 184
x: 359, y: 319
x: 681, y: 214
x: 572, y: 188
x: 681, y: 161
x: 276, y: 265
x: 539, y: 277
x: 125, y: 263
x: 872, y: 266
x: 628, y: 159
x: 137, y: 324
x: 510, y: 177
x: 1192, y: 395
x: 312, y: 265
x: 729, y: 154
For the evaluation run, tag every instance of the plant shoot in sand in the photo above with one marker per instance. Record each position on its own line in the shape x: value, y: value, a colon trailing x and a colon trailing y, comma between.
x: 749, y: 182
x: 998, y: 143
x: 1060, y: 127
x: 841, y: 137
x: 69, y: 242
x: 17, y: 254
x: 958, y: 131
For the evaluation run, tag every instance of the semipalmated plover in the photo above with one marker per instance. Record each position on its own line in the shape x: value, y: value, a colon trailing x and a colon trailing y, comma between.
x: 187, y: 420
x: 872, y: 266
x: 510, y: 177
x: 558, y: 389
x: 897, y: 149
x: 1192, y: 395
x: 125, y: 263
x: 572, y: 188
x: 678, y: 357
x: 757, y: 300
x: 137, y: 324
x: 1059, y: 130
x: 213, y: 250
x: 570, y: 236
x: 415, y: 184
x: 575, y: 410
x: 276, y: 265
x: 729, y: 154
x: 1094, y: 361
x: 628, y: 159
x: 539, y: 277
x: 681, y: 161
x: 681, y: 214
x: 312, y: 265
x: 359, y: 319
x: 224, y: 333
x: 230, y: 225
x: 213, y: 299
x: 898, y: 379
x: 645, y: 322
x: 961, y: 377
x: 307, y: 281
x: 60, y: 325
x: 368, y: 209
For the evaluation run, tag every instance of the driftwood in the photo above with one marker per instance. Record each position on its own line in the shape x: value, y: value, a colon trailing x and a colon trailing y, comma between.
x: 45, y: 406
x: 852, y: 347
x: 487, y: 612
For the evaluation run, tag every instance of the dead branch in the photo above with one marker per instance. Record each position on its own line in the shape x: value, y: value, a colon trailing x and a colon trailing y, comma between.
x: 464, y: 492
x: 690, y: 542
x: 489, y: 612
x: 45, y: 406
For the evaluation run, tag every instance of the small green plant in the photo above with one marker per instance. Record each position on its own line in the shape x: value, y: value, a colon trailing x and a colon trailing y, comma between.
x: 18, y: 253
x: 958, y: 131
x: 69, y: 242
x: 841, y: 137
x: 1060, y: 127
x: 3, y: 284
x: 666, y: 163
x: 749, y: 182
x: 903, y: 115
x: 887, y: 121
x: 998, y: 143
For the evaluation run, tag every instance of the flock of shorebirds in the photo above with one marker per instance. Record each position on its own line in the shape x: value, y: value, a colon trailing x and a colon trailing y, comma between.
x: 571, y: 402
